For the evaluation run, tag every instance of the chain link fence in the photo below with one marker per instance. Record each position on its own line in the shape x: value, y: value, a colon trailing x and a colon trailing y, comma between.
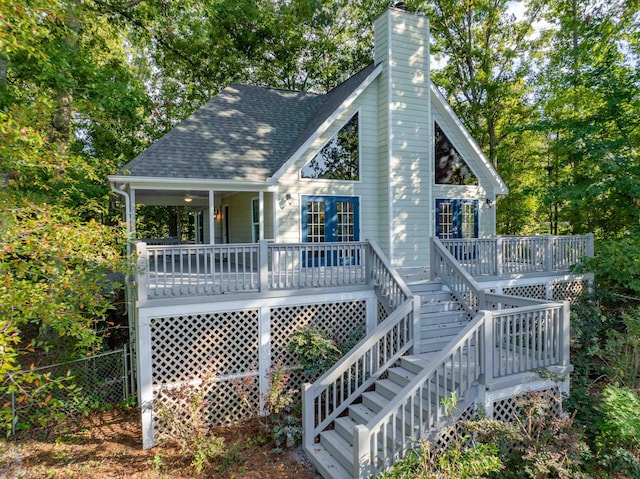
x: 93, y: 381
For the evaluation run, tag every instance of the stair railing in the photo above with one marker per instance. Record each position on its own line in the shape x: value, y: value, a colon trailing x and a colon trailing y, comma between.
x: 331, y: 394
x: 448, y: 270
x: 418, y: 408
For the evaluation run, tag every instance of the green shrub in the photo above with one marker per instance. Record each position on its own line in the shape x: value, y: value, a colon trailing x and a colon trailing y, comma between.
x: 316, y: 352
x: 621, y: 410
x: 459, y: 462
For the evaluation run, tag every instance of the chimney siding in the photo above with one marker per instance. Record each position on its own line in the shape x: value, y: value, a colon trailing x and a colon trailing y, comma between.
x: 402, y: 45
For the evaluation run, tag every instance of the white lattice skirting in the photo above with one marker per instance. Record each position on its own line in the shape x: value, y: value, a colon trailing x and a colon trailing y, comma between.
x: 227, y: 355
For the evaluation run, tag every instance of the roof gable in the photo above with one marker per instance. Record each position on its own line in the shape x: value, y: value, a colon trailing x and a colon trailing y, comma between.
x: 478, y: 160
x: 245, y: 133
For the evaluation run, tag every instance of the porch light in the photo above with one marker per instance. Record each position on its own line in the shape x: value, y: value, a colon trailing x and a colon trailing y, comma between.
x: 188, y: 199
x: 286, y: 200
x: 216, y: 214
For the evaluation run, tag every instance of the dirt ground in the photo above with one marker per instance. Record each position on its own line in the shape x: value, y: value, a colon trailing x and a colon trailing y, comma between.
x: 108, y: 445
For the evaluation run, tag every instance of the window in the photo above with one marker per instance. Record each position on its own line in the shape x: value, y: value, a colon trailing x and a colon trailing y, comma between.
x: 456, y: 218
x: 338, y: 159
x: 450, y: 168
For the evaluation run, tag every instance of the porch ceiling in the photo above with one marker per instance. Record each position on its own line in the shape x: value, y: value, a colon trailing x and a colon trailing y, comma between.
x: 199, y: 198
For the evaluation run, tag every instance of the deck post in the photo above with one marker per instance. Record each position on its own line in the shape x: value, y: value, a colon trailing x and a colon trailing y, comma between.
x: 489, y: 347
x: 499, y: 256
x: 145, y: 380
x: 417, y: 306
x: 432, y: 260
x: 264, y: 357
x: 368, y: 264
x: 360, y: 452
x: 142, y: 270
x: 308, y: 416
x: 263, y: 265
x: 590, y: 252
x: 550, y: 261
x: 563, y: 340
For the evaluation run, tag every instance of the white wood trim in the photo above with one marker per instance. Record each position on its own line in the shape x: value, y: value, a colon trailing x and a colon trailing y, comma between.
x: 145, y: 379
x: 218, y: 304
x: 327, y: 123
x: 389, y: 137
x: 158, y: 183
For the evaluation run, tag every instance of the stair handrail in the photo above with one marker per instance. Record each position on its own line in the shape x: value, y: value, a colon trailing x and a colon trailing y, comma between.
x: 385, y: 278
x: 330, y: 395
x: 375, y: 444
x: 448, y: 270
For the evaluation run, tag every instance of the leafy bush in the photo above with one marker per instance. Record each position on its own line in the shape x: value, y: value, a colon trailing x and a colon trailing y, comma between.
x: 459, y: 462
x: 616, y: 265
x: 538, y: 443
x: 316, y: 352
x: 621, y: 410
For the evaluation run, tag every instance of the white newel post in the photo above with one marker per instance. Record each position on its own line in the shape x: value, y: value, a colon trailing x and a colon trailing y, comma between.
x: 499, y: 256
x: 308, y: 416
x: 371, y: 313
x: 361, y: 452
x: 142, y: 270
x: 549, y: 254
x: 489, y: 347
x: 264, y: 356
x: 590, y: 242
x: 145, y: 380
x: 564, y: 334
x: 263, y: 262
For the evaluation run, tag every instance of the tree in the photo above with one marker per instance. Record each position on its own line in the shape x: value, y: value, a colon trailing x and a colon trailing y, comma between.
x: 588, y: 85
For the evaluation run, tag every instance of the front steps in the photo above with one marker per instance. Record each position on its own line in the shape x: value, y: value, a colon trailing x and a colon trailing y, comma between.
x: 441, y: 320
x: 333, y: 454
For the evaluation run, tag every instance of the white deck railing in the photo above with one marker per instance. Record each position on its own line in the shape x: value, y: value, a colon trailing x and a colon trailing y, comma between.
x: 196, y: 270
x: 503, y: 255
x: 330, y: 395
x: 509, y: 335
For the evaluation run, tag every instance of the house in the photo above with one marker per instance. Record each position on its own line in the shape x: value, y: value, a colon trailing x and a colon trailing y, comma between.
x: 367, y: 210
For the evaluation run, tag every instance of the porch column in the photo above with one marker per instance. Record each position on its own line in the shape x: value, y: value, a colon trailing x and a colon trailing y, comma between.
x: 261, y: 214
x: 212, y: 218
x: 131, y: 214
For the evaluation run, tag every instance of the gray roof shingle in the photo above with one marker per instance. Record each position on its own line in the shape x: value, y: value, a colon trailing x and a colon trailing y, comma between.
x: 244, y: 133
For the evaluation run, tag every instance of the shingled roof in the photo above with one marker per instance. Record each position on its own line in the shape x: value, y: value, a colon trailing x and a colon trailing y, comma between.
x: 245, y: 133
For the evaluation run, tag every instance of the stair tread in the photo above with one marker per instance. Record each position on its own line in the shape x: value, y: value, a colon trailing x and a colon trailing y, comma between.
x: 325, y: 462
x: 338, y: 447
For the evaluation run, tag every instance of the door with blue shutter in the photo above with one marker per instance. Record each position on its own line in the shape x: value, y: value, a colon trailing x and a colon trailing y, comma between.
x: 329, y: 219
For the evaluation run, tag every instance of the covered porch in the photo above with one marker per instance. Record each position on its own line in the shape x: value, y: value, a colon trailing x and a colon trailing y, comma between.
x: 198, y: 212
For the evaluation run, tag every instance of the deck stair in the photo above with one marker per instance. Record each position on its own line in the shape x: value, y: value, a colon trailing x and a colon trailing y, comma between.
x: 441, y: 320
x: 442, y: 317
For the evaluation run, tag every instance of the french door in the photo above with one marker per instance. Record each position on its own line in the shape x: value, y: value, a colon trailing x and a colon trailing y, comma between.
x: 456, y: 218
x: 330, y: 219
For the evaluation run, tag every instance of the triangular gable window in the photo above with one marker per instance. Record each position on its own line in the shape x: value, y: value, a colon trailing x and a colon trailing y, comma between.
x: 338, y: 159
x: 450, y: 168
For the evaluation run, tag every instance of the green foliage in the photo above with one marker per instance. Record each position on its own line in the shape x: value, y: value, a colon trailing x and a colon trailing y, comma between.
x: 616, y: 265
x: 538, y: 443
x: 621, y: 411
x: 284, y: 414
x: 316, y: 352
x: 459, y: 462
